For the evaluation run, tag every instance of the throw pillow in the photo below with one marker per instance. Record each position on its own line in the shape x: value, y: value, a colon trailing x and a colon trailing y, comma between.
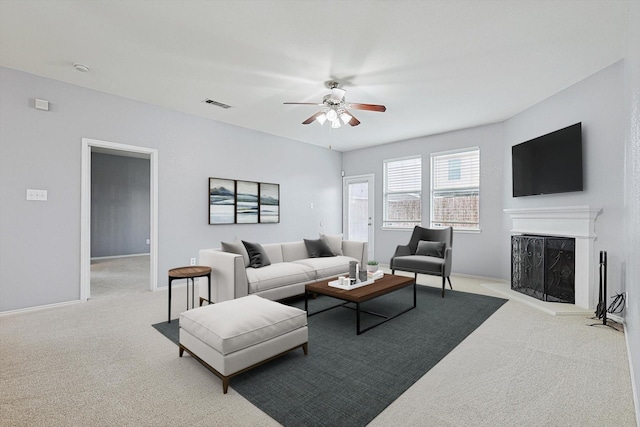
x: 318, y: 248
x: 334, y: 241
x: 236, y: 248
x: 435, y: 249
x: 257, y: 256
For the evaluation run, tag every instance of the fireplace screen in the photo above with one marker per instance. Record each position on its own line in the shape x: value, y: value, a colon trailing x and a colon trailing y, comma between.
x: 544, y: 267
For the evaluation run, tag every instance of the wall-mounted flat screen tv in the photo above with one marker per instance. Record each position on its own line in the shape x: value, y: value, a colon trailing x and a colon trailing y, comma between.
x: 548, y: 164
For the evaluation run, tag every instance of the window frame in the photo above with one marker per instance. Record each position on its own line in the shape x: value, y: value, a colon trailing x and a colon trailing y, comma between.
x: 438, y: 191
x: 386, y: 193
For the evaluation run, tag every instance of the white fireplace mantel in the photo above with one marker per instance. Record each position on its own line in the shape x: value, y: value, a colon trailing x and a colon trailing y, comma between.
x: 570, y: 221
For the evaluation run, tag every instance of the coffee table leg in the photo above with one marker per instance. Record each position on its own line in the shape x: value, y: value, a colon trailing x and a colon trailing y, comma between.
x: 358, y: 318
x: 306, y: 301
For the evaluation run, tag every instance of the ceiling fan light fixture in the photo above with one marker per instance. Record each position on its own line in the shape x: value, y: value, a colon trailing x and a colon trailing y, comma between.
x: 321, y: 119
x: 332, y: 115
x: 346, y: 118
x: 337, y: 93
x: 335, y: 124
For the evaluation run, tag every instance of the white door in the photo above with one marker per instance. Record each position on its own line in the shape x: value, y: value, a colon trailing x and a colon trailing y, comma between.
x: 358, y: 209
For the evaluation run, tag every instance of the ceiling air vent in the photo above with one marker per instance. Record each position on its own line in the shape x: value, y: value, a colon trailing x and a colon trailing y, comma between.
x: 216, y: 103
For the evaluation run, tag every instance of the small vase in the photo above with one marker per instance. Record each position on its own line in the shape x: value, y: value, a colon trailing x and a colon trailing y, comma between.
x: 363, y: 275
x: 372, y: 268
x: 353, y: 265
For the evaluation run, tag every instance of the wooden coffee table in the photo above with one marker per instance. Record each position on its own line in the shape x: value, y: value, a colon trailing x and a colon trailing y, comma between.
x: 387, y: 284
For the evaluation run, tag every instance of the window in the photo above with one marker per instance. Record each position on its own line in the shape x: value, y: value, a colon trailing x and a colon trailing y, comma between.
x: 402, y: 193
x: 455, y: 189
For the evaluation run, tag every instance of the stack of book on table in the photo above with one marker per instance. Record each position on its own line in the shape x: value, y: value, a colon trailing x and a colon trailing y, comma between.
x: 375, y: 275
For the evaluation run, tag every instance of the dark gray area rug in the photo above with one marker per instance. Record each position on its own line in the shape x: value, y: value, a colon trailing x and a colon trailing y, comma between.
x: 348, y: 379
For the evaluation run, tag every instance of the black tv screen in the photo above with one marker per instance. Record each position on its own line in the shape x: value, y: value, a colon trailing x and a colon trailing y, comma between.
x: 548, y: 164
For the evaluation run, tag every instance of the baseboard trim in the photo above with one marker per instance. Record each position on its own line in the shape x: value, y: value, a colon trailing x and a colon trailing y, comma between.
x: 469, y: 276
x: 38, y: 307
x: 634, y: 385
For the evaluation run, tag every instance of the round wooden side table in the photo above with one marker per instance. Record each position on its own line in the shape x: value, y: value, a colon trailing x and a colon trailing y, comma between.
x: 190, y: 272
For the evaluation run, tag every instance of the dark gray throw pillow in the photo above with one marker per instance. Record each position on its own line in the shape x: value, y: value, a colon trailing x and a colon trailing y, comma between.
x: 257, y: 256
x: 435, y: 249
x: 318, y: 248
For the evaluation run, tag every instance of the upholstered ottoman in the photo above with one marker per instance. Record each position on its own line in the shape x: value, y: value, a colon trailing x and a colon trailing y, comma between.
x: 234, y: 336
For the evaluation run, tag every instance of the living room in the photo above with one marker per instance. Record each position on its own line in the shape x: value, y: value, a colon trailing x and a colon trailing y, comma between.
x: 41, y: 249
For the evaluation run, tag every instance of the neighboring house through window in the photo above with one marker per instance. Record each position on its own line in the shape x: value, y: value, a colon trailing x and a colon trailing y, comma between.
x: 402, y: 193
x: 455, y: 189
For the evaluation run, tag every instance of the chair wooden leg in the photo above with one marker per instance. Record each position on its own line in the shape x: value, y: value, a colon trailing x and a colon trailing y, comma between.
x: 443, y: 282
x: 449, y: 280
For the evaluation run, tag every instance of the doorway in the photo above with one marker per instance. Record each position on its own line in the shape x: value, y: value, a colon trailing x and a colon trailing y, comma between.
x: 358, y: 205
x: 90, y: 146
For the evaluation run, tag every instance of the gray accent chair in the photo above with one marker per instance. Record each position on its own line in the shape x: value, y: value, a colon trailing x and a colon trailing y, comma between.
x: 428, y: 257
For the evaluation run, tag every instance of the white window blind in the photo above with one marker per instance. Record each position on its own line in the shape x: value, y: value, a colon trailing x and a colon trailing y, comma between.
x: 402, y: 192
x: 455, y: 189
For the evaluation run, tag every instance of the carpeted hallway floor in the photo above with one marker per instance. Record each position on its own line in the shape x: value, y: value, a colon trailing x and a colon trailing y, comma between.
x: 102, y: 364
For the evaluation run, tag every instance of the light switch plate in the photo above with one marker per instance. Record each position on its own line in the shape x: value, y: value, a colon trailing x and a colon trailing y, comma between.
x: 38, y: 195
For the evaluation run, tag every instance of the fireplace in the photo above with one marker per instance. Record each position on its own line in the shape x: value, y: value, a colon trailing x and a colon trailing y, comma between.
x: 576, y: 222
x: 544, y: 267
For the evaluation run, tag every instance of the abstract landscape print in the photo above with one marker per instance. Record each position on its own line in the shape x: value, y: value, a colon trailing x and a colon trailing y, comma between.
x: 269, y: 203
x: 221, y: 201
x: 246, y: 202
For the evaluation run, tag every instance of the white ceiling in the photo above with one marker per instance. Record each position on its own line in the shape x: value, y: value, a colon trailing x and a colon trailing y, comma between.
x: 437, y: 65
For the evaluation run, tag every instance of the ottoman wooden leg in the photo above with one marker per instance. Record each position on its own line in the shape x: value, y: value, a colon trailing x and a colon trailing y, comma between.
x: 305, y: 348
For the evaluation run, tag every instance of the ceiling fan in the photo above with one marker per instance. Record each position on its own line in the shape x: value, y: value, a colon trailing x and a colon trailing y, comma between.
x: 335, y: 108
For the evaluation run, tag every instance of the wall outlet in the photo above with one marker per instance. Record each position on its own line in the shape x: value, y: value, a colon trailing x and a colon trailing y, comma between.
x: 193, y: 261
x: 148, y: 241
x: 39, y: 195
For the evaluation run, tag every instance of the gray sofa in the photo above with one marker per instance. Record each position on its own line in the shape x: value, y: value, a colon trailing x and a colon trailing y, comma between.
x: 290, y: 270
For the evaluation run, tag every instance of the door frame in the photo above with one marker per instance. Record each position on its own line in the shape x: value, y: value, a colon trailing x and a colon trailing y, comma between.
x: 370, y: 178
x: 85, y: 210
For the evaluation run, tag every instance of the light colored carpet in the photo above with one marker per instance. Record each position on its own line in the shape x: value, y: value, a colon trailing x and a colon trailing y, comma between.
x: 102, y: 364
x: 119, y: 276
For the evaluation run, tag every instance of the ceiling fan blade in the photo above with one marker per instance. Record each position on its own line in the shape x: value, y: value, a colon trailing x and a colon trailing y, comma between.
x: 353, y: 121
x: 302, y: 103
x: 312, y: 118
x: 369, y: 107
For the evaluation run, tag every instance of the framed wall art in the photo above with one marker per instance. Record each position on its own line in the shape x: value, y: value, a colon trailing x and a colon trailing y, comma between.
x: 222, y: 201
x: 233, y: 201
x: 269, y: 203
x: 246, y: 202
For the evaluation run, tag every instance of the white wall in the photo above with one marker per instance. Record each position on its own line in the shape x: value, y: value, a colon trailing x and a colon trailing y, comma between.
x: 597, y: 102
x: 40, y: 243
x: 632, y: 196
x: 474, y: 253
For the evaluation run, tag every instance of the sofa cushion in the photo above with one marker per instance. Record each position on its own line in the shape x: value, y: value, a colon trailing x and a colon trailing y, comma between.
x: 255, y: 320
x: 293, y: 251
x: 327, y: 266
x: 318, y: 248
x: 419, y: 263
x: 236, y: 247
x: 257, y: 256
x: 278, y: 274
x: 334, y: 241
x: 427, y: 248
x: 273, y: 251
